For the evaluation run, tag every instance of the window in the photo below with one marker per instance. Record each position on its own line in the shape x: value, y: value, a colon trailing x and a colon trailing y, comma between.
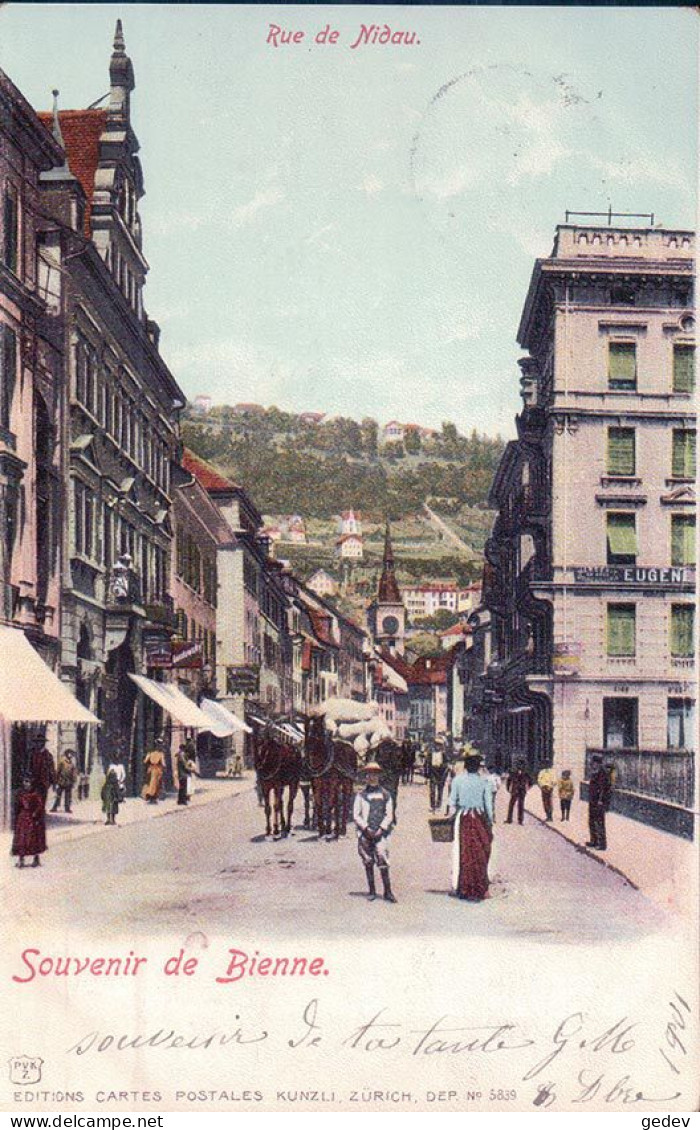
x: 681, y: 723
x: 621, y: 453
x: 620, y: 723
x: 621, y: 635
x: 683, y: 458
x: 683, y: 368
x: 621, y: 539
x: 8, y: 372
x: 682, y: 631
x: 10, y: 219
x: 682, y: 539
x: 84, y: 539
x: 622, y: 365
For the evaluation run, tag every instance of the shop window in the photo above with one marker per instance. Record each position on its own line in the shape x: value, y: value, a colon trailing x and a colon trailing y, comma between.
x: 620, y: 723
x: 681, y: 723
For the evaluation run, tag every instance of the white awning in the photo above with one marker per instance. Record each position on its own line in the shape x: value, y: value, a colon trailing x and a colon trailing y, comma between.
x: 29, y: 690
x: 177, y: 704
x: 223, y: 721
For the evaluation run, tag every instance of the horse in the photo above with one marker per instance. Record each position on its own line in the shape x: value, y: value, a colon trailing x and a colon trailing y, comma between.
x: 278, y: 765
x: 332, y: 768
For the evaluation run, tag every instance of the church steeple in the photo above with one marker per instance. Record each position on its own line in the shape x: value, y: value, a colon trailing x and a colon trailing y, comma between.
x: 388, y: 592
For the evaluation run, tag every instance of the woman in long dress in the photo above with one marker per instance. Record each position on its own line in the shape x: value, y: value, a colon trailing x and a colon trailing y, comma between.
x: 30, y: 824
x: 471, y: 798
x: 155, y: 767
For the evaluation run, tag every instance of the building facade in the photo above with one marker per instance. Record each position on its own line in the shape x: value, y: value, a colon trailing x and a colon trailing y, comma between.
x: 590, y: 578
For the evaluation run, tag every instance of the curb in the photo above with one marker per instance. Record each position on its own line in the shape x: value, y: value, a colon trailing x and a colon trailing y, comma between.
x: 583, y: 850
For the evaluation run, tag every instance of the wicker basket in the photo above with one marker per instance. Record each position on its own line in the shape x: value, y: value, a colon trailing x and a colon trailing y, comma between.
x: 442, y: 829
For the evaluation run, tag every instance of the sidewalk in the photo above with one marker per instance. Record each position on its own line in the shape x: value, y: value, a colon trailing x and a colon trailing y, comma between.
x: 87, y: 817
x: 656, y: 863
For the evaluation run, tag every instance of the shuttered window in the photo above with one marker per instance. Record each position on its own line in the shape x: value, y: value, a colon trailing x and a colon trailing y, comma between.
x: 10, y: 230
x: 683, y: 539
x: 8, y: 372
x: 683, y: 368
x: 683, y: 459
x: 622, y: 622
x: 622, y: 364
x: 621, y: 455
x: 622, y: 539
x: 682, y: 631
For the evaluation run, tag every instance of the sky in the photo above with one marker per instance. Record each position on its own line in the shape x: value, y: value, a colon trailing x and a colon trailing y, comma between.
x: 353, y: 230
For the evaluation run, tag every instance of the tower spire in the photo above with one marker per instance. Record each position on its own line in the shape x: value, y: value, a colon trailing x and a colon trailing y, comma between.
x: 121, y: 77
x: 388, y: 592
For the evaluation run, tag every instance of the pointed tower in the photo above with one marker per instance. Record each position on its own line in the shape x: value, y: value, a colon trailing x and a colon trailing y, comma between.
x: 386, y: 615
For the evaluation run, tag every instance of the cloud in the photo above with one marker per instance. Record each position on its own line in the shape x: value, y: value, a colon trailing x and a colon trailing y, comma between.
x: 371, y: 184
x: 248, y: 213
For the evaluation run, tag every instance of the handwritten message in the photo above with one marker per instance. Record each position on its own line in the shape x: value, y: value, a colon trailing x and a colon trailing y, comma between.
x: 369, y: 35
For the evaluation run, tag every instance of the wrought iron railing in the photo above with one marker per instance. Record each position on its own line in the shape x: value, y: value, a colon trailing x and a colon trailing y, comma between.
x: 667, y: 775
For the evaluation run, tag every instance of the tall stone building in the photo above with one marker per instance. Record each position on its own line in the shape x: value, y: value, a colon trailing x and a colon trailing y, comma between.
x: 386, y: 614
x: 590, y: 575
x: 120, y: 431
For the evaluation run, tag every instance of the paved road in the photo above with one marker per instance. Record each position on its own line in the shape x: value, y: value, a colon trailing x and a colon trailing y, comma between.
x: 210, y: 869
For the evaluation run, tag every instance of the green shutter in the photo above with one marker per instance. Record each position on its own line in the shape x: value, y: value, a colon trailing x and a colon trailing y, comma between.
x: 621, y: 629
x: 683, y: 368
x: 622, y: 363
x: 683, y: 539
x: 621, y: 451
x: 622, y: 535
x: 8, y: 372
x: 682, y: 630
x: 683, y: 463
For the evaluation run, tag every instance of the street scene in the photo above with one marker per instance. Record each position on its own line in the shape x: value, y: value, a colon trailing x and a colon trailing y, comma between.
x: 396, y: 623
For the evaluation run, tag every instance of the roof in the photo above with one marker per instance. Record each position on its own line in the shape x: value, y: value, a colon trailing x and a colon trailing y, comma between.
x: 346, y: 514
x: 205, y: 474
x: 437, y: 587
x: 428, y: 670
x: 393, y: 424
x: 321, y: 624
x: 456, y: 630
x: 349, y: 537
x: 81, y: 131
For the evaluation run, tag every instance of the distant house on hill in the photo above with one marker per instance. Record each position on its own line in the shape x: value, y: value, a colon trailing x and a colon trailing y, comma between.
x: 427, y: 599
x: 248, y: 410
x: 312, y: 417
x: 294, y: 529
x: 349, y: 547
x: 201, y: 405
x: 322, y: 583
x: 393, y: 432
x: 272, y: 533
x: 350, y: 522
x: 454, y: 635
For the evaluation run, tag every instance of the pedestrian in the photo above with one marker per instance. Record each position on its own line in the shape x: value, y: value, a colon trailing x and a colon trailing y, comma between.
x: 119, y: 770
x: 183, y: 775
x: 30, y: 823
x: 599, y: 791
x: 373, y: 813
x: 192, y: 767
x: 518, y: 782
x: 438, y: 770
x: 495, y: 778
x: 471, y: 798
x: 155, y: 768
x: 546, y: 781
x: 565, y: 788
x: 111, y: 796
x: 42, y: 769
x: 66, y: 776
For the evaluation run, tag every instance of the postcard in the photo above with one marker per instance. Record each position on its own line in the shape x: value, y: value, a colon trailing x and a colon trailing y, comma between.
x: 347, y: 486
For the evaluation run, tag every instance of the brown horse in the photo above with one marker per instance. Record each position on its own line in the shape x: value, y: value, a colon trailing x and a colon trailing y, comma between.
x: 332, y: 766
x: 278, y: 765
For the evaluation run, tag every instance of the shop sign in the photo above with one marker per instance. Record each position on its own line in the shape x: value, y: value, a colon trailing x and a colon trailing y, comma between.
x: 662, y: 576
x: 157, y: 651
x: 566, y: 658
x: 242, y: 680
x: 187, y: 654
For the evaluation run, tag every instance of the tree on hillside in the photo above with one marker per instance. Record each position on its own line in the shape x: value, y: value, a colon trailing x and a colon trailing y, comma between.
x: 369, y: 430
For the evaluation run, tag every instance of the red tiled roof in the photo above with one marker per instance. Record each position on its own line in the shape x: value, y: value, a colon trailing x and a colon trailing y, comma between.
x: 205, y: 474
x: 429, y: 670
x: 349, y: 537
x: 456, y: 630
x: 81, y: 131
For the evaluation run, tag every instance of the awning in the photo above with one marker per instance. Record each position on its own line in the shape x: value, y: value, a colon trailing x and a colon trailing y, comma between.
x: 29, y: 690
x: 177, y: 704
x: 223, y: 721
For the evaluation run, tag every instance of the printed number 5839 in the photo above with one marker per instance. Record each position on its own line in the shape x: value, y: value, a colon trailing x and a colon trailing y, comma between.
x: 502, y: 1096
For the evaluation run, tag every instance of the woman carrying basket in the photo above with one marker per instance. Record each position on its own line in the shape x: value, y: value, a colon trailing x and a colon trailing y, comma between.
x: 471, y: 797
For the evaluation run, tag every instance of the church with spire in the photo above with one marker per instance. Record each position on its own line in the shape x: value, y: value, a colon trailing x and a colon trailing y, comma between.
x: 386, y: 615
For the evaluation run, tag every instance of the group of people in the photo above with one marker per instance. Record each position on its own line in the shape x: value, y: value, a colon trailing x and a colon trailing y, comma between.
x: 42, y: 774
x: 471, y: 802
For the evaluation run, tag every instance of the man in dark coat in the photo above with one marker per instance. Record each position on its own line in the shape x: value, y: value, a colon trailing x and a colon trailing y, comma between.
x: 519, y: 781
x: 42, y: 769
x: 599, y: 790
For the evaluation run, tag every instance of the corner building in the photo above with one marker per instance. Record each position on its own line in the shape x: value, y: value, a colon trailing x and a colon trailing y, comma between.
x: 591, y: 574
